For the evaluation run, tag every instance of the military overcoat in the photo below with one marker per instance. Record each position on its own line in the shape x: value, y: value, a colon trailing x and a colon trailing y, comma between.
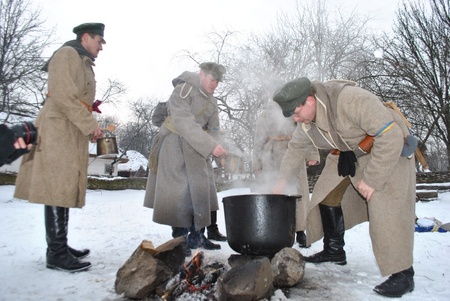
x: 391, y: 210
x: 182, y: 191
x: 55, y: 171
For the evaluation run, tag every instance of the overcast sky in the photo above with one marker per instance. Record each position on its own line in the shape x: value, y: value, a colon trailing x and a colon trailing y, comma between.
x: 144, y: 37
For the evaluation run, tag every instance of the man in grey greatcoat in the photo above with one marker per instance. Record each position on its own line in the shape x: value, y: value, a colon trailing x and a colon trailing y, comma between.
x: 358, y: 183
x: 181, y: 187
x: 272, y: 135
x: 54, y: 173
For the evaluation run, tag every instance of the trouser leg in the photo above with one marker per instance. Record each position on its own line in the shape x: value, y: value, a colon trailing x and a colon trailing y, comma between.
x: 177, y: 232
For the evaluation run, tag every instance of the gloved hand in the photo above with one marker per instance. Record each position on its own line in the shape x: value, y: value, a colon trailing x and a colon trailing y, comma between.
x: 8, y: 153
x: 7, y: 143
x: 346, y: 164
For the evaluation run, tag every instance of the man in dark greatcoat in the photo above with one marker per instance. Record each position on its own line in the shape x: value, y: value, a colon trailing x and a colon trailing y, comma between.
x: 181, y: 187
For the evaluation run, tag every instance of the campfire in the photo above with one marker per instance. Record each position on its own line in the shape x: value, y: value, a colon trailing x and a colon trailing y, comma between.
x: 195, y: 278
x: 165, y: 272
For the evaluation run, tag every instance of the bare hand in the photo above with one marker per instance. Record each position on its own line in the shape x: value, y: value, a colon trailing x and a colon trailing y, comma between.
x: 219, y: 151
x: 312, y: 162
x: 97, y: 133
x: 20, y: 143
x: 365, y: 190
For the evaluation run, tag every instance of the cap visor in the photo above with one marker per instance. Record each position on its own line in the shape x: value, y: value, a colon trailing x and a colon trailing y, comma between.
x: 288, y: 113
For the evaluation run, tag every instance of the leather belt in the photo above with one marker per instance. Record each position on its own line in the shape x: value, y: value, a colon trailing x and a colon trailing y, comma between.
x: 280, y: 138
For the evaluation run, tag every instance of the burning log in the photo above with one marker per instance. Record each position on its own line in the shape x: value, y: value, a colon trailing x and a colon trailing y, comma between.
x: 194, y: 278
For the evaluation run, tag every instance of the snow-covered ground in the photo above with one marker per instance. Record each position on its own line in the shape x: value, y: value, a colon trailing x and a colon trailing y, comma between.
x: 114, y: 223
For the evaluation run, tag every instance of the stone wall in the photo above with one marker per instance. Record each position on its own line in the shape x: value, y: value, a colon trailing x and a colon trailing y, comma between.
x: 139, y: 183
x: 433, y: 177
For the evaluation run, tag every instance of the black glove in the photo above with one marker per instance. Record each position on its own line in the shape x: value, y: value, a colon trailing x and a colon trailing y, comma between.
x: 346, y: 164
x: 6, y: 143
x: 8, y: 153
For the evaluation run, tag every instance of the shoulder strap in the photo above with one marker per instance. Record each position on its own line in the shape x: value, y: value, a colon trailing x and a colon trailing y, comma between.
x: 329, y: 96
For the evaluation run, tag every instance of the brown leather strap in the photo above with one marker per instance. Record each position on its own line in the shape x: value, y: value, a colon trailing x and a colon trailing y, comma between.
x: 88, y: 107
x: 364, y: 147
x: 280, y: 138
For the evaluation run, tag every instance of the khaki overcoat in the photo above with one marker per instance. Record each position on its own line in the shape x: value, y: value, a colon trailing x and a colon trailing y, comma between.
x: 391, y: 210
x: 55, y: 171
x: 272, y: 135
x: 182, y: 192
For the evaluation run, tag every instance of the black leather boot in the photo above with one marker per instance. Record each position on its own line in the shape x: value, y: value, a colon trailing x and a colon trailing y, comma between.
x: 333, y: 237
x: 301, y: 239
x: 80, y: 254
x: 58, y: 255
x: 213, y: 229
x: 197, y: 239
x: 177, y: 232
x: 397, y: 284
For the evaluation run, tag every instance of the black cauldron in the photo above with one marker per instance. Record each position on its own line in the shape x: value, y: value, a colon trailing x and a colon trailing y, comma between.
x: 260, y: 224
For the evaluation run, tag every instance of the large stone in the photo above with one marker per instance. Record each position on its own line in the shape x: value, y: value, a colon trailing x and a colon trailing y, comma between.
x: 172, y: 253
x: 149, y: 267
x: 247, y: 282
x: 288, y: 267
x: 236, y: 260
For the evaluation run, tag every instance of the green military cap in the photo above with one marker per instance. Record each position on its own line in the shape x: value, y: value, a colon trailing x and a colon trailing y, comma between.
x: 97, y: 28
x: 292, y: 94
x: 216, y: 70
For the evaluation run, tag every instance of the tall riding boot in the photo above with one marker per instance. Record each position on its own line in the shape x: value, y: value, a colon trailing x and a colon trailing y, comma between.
x: 333, y: 237
x: 177, y: 232
x: 58, y: 255
x: 213, y: 229
x: 75, y: 253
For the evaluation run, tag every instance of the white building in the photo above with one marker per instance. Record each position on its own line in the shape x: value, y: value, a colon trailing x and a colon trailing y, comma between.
x: 97, y: 166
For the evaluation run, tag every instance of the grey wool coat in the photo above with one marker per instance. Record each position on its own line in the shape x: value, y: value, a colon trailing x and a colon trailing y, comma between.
x: 272, y: 135
x: 55, y: 171
x: 391, y: 210
x: 182, y: 189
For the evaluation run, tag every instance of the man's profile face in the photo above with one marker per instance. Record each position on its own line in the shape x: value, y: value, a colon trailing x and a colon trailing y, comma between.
x: 208, y: 83
x: 92, y: 45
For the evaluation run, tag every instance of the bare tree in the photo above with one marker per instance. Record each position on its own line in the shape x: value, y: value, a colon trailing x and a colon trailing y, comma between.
x: 306, y: 43
x: 22, y: 40
x: 138, y: 133
x: 416, y: 68
x: 113, y: 91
